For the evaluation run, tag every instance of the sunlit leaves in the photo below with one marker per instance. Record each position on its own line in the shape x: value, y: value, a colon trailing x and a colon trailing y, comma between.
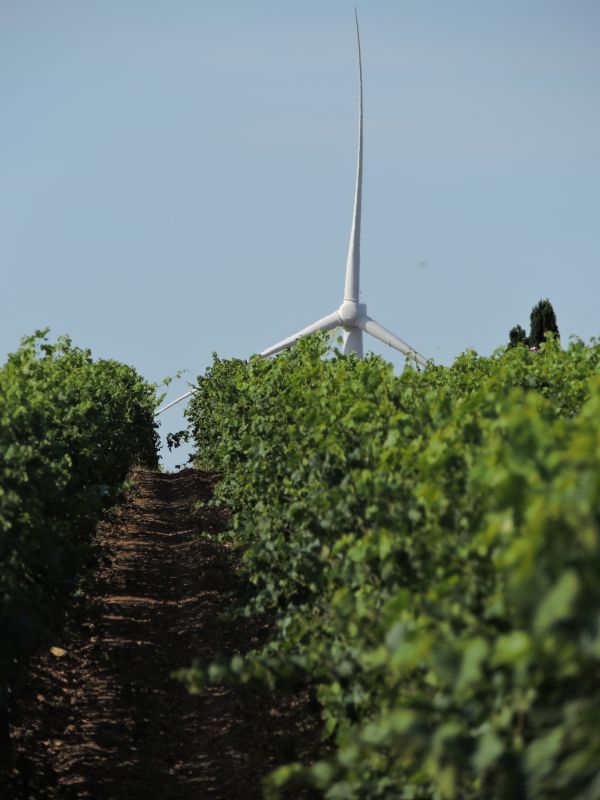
x: 428, y: 546
x: 70, y: 429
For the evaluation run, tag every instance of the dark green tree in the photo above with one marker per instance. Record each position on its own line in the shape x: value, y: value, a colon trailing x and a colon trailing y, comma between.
x: 542, y: 320
x: 517, y: 336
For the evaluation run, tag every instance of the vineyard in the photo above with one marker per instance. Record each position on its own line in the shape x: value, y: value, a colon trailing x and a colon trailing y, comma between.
x: 371, y: 585
x: 70, y: 430
x: 428, y: 547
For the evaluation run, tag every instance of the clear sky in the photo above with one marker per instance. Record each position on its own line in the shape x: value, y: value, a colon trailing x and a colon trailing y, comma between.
x: 177, y: 176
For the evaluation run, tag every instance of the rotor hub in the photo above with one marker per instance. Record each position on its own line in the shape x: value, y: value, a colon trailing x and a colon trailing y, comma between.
x: 351, y: 313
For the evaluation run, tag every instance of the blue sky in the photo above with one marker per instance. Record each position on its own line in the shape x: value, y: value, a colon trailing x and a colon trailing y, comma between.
x: 177, y: 177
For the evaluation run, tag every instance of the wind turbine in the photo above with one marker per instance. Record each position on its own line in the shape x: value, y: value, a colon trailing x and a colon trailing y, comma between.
x: 352, y: 315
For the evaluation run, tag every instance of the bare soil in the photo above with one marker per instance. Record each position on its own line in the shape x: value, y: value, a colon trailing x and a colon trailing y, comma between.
x: 98, y: 714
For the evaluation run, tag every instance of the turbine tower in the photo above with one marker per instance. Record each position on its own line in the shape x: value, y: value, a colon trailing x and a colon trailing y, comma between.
x: 352, y: 315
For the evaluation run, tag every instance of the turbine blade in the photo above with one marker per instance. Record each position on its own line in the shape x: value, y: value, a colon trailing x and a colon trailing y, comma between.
x: 352, y: 284
x: 387, y: 337
x: 324, y: 324
x: 174, y: 402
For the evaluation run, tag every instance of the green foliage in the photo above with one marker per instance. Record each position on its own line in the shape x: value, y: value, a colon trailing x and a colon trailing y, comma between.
x: 428, y: 546
x: 542, y: 321
x: 517, y: 336
x: 70, y: 430
x: 177, y: 438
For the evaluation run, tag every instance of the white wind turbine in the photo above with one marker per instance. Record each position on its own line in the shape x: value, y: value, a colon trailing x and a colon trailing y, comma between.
x: 352, y: 315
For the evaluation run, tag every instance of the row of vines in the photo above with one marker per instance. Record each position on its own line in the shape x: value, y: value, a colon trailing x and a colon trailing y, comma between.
x: 70, y: 430
x: 428, y: 547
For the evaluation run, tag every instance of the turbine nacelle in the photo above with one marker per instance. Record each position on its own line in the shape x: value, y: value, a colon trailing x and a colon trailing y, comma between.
x: 351, y: 314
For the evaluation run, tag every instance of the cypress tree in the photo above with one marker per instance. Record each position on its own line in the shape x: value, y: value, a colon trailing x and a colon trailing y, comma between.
x: 542, y: 319
x: 517, y: 336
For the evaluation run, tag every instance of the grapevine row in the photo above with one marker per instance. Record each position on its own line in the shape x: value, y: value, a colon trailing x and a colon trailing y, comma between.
x: 70, y: 430
x: 428, y: 547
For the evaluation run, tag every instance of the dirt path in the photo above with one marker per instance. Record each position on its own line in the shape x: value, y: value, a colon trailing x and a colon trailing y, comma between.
x: 98, y: 715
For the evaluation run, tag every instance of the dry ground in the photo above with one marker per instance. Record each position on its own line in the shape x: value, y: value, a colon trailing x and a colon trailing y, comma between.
x: 98, y: 716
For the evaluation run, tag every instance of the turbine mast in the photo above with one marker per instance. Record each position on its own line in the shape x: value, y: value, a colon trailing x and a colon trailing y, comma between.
x: 352, y: 284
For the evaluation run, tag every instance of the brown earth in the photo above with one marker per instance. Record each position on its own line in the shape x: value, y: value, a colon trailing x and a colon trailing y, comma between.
x: 98, y: 716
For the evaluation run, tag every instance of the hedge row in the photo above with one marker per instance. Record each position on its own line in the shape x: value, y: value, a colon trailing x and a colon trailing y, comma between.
x: 70, y: 430
x: 429, y: 547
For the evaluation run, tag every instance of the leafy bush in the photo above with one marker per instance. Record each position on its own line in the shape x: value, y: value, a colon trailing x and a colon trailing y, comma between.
x: 70, y: 430
x: 429, y: 547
